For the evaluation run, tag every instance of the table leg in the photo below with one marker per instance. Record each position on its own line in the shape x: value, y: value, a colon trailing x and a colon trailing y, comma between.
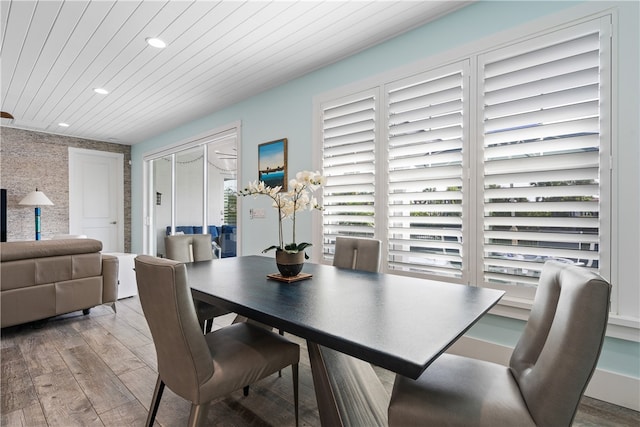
x: 348, y: 390
x: 327, y: 406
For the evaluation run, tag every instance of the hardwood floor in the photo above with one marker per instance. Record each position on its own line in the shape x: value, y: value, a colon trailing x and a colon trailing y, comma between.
x: 100, y: 370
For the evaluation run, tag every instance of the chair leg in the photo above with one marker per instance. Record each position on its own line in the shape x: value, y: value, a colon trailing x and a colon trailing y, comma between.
x: 198, y: 414
x: 155, y: 402
x: 245, y: 390
x: 294, y: 371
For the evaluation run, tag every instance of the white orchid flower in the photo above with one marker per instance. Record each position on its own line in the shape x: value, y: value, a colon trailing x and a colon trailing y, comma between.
x: 273, y: 192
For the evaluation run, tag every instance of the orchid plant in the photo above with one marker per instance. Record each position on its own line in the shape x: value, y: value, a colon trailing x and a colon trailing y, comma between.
x: 298, y: 198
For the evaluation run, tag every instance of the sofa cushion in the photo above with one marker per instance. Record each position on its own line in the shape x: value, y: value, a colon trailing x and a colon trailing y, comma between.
x: 17, y: 274
x: 86, y: 265
x: 51, y: 269
x: 78, y: 294
x: 27, y: 304
x: 46, y: 248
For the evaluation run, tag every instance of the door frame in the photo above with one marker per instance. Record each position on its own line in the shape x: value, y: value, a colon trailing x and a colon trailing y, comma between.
x: 212, y: 135
x: 74, y: 162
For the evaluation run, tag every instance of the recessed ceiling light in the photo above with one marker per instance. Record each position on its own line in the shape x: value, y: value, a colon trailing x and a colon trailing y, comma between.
x: 64, y: 125
x: 101, y: 91
x: 155, y: 42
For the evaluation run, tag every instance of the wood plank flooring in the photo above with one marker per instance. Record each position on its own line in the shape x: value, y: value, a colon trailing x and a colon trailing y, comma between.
x: 100, y: 370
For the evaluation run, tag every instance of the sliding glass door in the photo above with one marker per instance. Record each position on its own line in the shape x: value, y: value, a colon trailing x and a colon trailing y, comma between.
x: 191, y: 189
x: 189, y: 185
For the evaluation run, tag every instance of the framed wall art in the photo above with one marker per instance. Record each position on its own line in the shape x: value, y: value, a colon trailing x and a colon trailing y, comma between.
x: 272, y: 163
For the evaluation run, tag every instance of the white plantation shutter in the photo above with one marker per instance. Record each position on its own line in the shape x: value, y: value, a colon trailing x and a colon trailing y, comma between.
x: 349, y: 133
x: 542, y: 154
x: 478, y: 171
x: 426, y: 116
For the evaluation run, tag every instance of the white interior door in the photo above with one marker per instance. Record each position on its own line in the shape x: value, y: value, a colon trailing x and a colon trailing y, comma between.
x: 96, y: 197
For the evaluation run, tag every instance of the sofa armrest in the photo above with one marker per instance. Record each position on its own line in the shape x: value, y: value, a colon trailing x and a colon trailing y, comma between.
x: 109, y: 278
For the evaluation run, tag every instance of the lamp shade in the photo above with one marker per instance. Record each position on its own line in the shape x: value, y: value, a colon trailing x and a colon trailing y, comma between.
x: 36, y: 198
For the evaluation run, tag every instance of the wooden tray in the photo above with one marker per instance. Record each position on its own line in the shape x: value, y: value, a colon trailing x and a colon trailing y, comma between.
x: 280, y: 278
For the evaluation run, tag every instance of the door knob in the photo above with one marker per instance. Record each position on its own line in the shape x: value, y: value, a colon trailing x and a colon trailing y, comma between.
x: 113, y: 222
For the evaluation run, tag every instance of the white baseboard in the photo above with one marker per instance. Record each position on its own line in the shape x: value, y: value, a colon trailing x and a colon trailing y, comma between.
x: 615, y: 388
x: 608, y: 386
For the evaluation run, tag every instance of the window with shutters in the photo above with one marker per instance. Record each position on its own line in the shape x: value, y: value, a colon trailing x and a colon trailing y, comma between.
x: 426, y: 138
x: 542, y: 154
x: 349, y: 161
x: 479, y: 170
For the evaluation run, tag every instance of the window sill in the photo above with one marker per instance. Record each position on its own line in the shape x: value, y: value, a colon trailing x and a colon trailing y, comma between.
x: 621, y: 327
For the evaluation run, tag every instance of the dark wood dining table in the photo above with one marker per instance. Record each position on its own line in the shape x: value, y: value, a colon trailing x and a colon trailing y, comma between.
x: 396, y: 322
x: 399, y: 323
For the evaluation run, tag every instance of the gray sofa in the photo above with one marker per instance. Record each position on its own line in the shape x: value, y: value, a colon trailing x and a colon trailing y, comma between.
x: 41, y: 279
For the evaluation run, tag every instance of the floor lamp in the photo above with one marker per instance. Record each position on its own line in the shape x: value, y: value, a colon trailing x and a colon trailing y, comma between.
x: 37, y: 199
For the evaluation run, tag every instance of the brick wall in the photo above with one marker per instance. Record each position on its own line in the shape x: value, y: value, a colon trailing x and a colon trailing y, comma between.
x: 35, y: 159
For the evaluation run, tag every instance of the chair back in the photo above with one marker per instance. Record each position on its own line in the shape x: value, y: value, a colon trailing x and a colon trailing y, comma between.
x: 558, y: 351
x: 189, y: 247
x: 184, y: 359
x: 357, y: 253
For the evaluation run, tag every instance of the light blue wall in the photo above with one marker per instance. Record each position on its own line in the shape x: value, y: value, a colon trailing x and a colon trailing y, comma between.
x: 286, y: 111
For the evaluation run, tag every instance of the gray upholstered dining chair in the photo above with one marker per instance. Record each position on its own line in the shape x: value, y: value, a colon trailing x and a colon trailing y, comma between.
x: 193, y: 248
x: 189, y: 247
x: 357, y: 253
x: 548, y: 372
x: 197, y: 367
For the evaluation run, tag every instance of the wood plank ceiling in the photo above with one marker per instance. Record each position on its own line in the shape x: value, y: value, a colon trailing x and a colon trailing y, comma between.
x: 54, y: 53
